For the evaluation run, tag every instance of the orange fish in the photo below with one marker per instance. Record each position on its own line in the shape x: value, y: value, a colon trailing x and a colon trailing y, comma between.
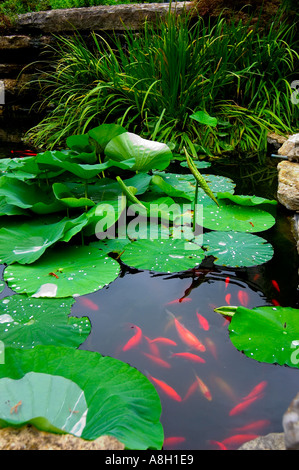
x: 211, y: 347
x: 275, y: 302
x: 167, y: 389
x: 255, y: 425
x: 225, y: 388
x: 238, y: 439
x: 243, y: 298
x: 256, y: 277
x: 135, y: 340
x: 203, y: 388
x: 163, y: 341
x: 152, y: 347
x: 157, y: 360
x: 243, y: 405
x: 203, y: 322
x: 227, y: 281
x: 227, y: 298
x: 173, y: 441
x: 187, y: 336
x: 219, y: 444
x: 178, y: 301
x: 88, y: 303
x: 193, y: 387
x: 259, y: 388
x: 275, y: 285
x: 190, y: 356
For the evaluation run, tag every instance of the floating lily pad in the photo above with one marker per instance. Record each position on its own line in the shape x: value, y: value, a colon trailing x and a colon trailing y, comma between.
x: 236, y: 249
x: 238, y: 218
x: 246, y: 200
x: 44, y: 400
x: 63, y: 272
x: 163, y: 255
x: 267, y: 334
x: 26, y: 322
x: 121, y: 401
x: 200, y: 164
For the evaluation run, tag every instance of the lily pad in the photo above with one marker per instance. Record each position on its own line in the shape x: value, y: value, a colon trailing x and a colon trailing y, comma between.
x: 164, y: 256
x: 267, y: 334
x: 237, y: 249
x: 200, y: 164
x: 63, y: 272
x: 44, y: 400
x: 238, y: 218
x: 26, y: 322
x: 204, y: 118
x: 121, y: 401
x: 246, y: 200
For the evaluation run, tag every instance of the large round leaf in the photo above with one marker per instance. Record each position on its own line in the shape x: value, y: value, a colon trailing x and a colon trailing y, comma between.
x: 121, y: 401
x: 148, y: 155
x: 267, y: 334
x: 26, y: 322
x: 50, y: 402
x: 236, y: 217
x: 64, y: 272
x: 236, y: 249
x: 164, y: 256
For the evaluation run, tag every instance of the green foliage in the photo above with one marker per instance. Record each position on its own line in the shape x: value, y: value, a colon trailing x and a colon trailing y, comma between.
x: 211, y: 84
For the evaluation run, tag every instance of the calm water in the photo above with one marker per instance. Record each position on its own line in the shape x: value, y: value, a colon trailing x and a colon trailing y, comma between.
x: 143, y: 299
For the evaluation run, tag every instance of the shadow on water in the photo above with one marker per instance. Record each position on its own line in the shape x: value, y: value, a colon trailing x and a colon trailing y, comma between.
x: 143, y: 299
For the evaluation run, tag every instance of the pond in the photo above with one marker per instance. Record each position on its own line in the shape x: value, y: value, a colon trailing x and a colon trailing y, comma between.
x: 194, y: 418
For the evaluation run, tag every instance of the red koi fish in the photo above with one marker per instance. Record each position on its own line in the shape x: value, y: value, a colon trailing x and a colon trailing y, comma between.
x: 238, y: 439
x: 163, y: 340
x: 179, y: 301
x: 135, y: 340
x: 255, y: 425
x: 157, y: 360
x: 187, y: 336
x: 243, y: 405
x: 275, y: 285
x: 243, y: 298
x: 203, y: 388
x: 193, y: 387
x: 167, y: 389
x: 219, y: 444
x: 275, y: 302
x: 173, y: 441
x: 88, y: 303
x: 227, y: 281
x: 256, y: 391
x: 203, y: 322
x: 225, y: 388
x: 152, y: 347
x: 256, y: 276
x: 189, y: 356
x: 227, y: 298
x: 23, y: 153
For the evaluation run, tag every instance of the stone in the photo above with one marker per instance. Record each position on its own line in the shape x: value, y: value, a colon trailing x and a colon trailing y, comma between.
x: 30, y: 438
x: 295, y: 229
x: 288, y: 184
x: 290, y: 148
x: 272, y: 441
x: 290, y: 423
x: 103, y: 17
x: 276, y: 140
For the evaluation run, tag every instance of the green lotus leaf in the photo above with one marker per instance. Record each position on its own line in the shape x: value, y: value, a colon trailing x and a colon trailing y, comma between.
x: 9, y: 209
x: 167, y: 188
x: 200, y: 164
x: 64, y: 195
x: 237, y: 249
x: 267, y: 334
x: 164, y: 256
x: 25, y: 243
x: 63, y: 271
x: 187, y: 184
x: 246, y: 200
x: 26, y: 322
x: 28, y: 195
x: 233, y: 217
x: 80, y: 143
x: 103, y: 216
x: 102, y: 134
x: 148, y: 155
x: 121, y: 401
x: 44, y: 400
x: 204, y: 118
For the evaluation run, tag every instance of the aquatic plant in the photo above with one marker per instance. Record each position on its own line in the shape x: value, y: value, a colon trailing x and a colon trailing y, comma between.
x: 177, y: 81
